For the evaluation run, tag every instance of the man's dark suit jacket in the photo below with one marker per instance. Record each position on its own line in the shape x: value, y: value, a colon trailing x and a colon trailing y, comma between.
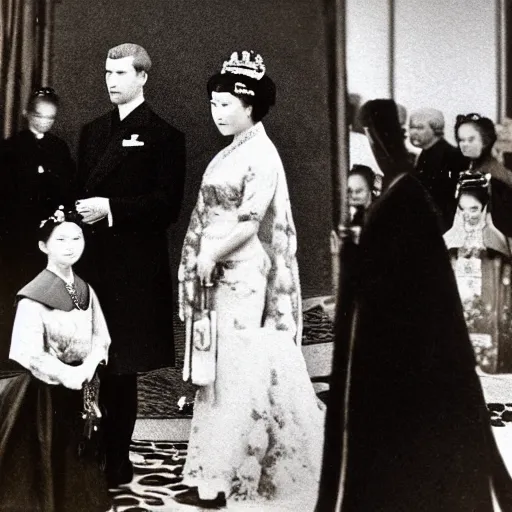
x: 128, y: 263
x: 438, y: 169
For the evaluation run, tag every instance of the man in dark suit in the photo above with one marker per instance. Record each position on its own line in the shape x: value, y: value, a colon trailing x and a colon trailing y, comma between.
x: 131, y: 168
x: 439, y: 164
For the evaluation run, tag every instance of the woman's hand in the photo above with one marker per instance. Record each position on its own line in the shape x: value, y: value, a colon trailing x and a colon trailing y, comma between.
x: 205, y: 266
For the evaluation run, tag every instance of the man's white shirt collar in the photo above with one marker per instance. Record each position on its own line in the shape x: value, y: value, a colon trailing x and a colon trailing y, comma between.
x: 37, y: 134
x: 127, y: 108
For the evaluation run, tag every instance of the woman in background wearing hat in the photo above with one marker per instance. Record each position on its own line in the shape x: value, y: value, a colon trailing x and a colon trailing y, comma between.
x: 257, y: 431
x: 476, y: 136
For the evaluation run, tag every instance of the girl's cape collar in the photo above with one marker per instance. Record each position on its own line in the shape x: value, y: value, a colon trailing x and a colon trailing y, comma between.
x: 492, y: 238
x: 50, y: 290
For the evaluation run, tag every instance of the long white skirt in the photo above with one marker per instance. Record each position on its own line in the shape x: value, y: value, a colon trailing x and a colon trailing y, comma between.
x: 257, y: 433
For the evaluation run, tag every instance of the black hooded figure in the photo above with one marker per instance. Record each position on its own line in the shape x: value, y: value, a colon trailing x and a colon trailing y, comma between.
x: 417, y: 435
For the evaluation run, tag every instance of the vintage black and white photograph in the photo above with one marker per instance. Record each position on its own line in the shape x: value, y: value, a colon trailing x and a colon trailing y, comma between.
x: 255, y: 255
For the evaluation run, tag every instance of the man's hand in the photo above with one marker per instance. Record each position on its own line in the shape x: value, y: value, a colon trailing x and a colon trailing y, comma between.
x: 93, y: 209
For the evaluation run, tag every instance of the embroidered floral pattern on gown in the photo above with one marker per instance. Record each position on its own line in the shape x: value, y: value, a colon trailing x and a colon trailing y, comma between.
x: 481, y: 262
x: 257, y: 433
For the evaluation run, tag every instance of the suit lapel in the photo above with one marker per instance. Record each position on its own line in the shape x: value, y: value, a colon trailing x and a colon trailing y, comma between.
x: 114, y: 152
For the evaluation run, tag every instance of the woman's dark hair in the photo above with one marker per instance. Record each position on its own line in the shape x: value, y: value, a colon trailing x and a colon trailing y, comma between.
x: 476, y: 186
x: 48, y: 225
x: 485, y: 128
x: 366, y: 173
x: 264, y: 91
x: 42, y: 95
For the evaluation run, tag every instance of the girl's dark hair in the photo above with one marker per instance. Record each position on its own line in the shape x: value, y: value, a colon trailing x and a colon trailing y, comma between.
x: 264, y: 91
x: 485, y: 128
x: 42, y: 95
x: 48, y: 225
x: 476, y: 186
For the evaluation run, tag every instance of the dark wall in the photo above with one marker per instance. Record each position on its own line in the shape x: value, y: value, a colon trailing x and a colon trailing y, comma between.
x: 188, y: 41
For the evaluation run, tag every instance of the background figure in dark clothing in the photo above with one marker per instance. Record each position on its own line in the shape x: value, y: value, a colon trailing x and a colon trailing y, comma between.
x: 417, y: 434
x: 439, y: 163
x: 362, y: 191
x: 36, y: 177
x: 131, y: 174
x: 476, y: 136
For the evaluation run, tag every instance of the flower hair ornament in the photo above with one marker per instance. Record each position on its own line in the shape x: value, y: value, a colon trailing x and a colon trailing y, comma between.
x: 58, y: 217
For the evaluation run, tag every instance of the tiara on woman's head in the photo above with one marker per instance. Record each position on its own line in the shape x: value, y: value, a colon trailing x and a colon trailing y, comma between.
x: 470, y: 180
x: 249, y: 64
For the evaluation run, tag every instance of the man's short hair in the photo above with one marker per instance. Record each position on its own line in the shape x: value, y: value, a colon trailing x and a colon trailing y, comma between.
x: 141, y: 60
x: 433, y: 117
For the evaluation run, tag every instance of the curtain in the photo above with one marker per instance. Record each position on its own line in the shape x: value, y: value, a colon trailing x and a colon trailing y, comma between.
x: 25, y: 53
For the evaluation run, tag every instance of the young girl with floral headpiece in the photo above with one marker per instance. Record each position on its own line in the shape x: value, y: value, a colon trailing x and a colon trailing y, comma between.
x: 49, y: 439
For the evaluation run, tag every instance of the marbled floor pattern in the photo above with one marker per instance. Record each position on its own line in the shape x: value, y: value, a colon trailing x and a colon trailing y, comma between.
x: 158, y: 469
x: 158, y: 473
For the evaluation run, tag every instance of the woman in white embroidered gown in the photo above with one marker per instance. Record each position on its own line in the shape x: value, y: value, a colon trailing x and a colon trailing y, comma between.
x: 257, y: 432
x: 482, y: 262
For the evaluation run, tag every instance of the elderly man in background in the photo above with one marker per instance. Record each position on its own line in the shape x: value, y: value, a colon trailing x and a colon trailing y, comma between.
x: 439, y: 164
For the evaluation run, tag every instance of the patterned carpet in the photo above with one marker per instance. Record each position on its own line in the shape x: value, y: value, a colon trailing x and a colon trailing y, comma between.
x: 158, y: 475
x: 500, y: 414
x: 159, y: 465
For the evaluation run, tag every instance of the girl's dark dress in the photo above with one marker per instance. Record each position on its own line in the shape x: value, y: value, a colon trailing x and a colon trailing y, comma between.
x: 42, y: 467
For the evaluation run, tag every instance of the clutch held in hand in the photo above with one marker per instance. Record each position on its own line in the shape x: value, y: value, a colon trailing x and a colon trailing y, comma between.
x: 201, y: 344
x: 202, y: 332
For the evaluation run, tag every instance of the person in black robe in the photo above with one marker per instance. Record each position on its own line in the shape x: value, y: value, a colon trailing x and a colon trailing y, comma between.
x: 407, y: 426
x: 36, y: 177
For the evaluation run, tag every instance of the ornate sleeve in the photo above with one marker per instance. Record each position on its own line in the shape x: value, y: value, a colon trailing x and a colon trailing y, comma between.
x: 258, y: 190
x: 27, y: 344
x: 27, y: 340
x: 187, y: 268
x: 100, y: 334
